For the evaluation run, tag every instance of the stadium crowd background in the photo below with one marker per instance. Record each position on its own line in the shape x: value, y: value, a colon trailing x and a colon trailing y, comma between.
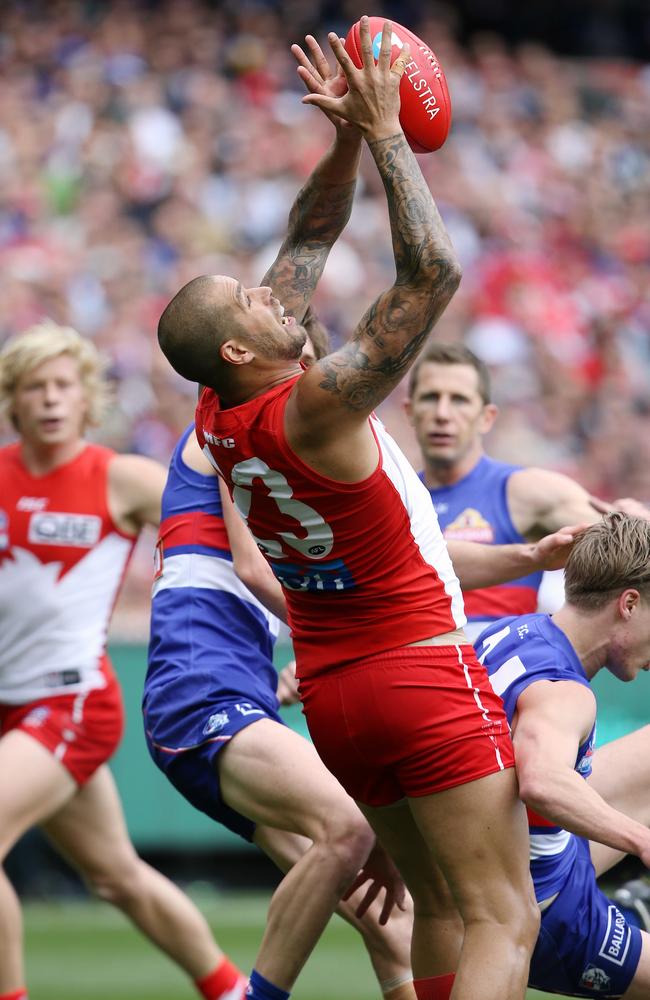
x: 142, y: 144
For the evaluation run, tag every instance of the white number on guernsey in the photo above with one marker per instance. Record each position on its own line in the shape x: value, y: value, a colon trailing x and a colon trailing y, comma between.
x: 318, y: 540
x: 492, y: 641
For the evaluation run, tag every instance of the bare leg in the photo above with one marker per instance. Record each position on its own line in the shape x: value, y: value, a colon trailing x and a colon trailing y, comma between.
x: 90, y: 831
x: 486, y: 870
x: 640, y: 986
x: 621, y: 775
x: 437, y: 929
x: 32, y: 785
x: 388, y: 947
x: 275, y: 777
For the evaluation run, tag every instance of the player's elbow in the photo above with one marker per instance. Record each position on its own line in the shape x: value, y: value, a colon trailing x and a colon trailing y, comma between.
x: 439, y: 277
x: 535, y: 790
x: 247, y: 571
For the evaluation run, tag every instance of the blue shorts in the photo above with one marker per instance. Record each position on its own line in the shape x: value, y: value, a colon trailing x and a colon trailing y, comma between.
x: 585, y: 948
x: 192, y: 768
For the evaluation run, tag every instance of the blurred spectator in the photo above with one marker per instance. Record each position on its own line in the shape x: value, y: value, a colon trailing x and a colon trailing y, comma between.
x: 139, y: 148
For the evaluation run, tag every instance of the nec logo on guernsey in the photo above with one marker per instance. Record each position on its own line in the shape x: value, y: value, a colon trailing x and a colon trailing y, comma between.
x: 79, y: 530
x: 218, y: 442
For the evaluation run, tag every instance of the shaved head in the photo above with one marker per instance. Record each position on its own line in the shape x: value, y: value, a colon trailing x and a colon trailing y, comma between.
x: 196, y: 323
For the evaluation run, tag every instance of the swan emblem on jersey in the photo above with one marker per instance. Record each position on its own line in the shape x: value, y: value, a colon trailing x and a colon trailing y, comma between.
x: 33, y: 594
x: 470, y: 526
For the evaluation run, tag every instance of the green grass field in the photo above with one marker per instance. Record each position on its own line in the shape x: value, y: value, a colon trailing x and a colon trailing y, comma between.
x: 87, y: 951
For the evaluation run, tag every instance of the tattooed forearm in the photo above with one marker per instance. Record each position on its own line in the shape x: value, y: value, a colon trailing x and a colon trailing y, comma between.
x: 420, y: 240
x: 317, y: 218
x: 393, y: 330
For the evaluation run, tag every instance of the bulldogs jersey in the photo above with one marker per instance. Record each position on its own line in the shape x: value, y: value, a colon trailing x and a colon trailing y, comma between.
x: 62, y: 560
x: 475, y: 509
x: 518, y: 652
x: 209, y: 634
x: 363, y: 565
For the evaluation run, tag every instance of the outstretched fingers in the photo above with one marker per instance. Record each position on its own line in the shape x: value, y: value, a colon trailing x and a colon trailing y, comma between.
x: 386, y: 47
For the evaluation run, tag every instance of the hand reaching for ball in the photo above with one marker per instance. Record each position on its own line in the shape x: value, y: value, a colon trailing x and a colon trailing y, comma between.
x: 319, y: 78
x: 366, y: 96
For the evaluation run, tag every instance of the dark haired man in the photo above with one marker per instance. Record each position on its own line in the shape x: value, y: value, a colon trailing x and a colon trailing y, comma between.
x: 475, y: 497
x: 374, y: 605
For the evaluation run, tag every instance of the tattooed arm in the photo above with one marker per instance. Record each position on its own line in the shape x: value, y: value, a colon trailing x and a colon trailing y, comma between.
x: 339, y: 392
x: 322, y: 207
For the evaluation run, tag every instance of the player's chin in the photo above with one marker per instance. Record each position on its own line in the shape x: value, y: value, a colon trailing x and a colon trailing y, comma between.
x: 296, y: 344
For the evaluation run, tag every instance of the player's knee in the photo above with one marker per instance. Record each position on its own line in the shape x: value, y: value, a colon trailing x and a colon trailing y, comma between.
x: 352, y: 833
x: 522, y: 921
x: 118, y: 885
x: 346, y: 834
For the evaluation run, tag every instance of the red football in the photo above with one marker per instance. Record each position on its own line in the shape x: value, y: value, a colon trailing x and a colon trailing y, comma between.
x: 425, y: 111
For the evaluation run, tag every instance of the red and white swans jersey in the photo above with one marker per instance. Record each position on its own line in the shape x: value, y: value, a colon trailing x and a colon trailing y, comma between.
x: 364, y: 566
x: 62, y: 560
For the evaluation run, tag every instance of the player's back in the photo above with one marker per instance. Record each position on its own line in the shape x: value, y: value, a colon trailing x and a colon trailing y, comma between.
x: 62, y: 560
x: 208, y: 631
x: 363, y: 565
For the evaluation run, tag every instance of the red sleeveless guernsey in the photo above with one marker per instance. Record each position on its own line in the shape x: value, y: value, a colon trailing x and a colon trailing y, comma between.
x: 364, y: 566
x: 62, y: 560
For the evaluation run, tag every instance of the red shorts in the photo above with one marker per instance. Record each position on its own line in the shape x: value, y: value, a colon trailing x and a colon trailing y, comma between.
x: 409, y: 722
x: 81, y: 730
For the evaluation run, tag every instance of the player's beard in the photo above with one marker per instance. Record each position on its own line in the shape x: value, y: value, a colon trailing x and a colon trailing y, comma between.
x: 288, y: 348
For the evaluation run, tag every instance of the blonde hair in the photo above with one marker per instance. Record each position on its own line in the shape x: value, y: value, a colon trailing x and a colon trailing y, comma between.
x: 609, y: 557
x: 43, y: 342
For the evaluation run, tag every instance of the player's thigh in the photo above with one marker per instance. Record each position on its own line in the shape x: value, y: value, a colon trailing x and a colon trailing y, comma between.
x: 272, y: 775
x: 399, y: 834
x: 33, y: 785
x: 621, y: 776
x: 91, y: 831
x: 640, y: 986
x: 478, y: 835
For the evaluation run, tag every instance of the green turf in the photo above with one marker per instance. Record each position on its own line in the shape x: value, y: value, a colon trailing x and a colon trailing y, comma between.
x: 87, y: 951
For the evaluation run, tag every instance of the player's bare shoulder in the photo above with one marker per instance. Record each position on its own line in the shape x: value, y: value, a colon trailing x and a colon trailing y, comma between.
x: 135, y: 486
x: 543, y: 500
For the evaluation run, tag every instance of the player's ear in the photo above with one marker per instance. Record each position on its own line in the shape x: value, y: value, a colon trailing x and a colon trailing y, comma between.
x: 627, y: 603
x: 235, y: 353
x: 488, y: 416
x: 408, y: 410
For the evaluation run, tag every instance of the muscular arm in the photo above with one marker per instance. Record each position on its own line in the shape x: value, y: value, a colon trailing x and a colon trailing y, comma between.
x: 135, y: 486
x: 317, y: 219
x: 248, y: 562
x: 478, y: 565
x: 347, y: 385
x: 540, y: 501
x: 250, y: 565
x: 339, y: 392
x: 552, y: 719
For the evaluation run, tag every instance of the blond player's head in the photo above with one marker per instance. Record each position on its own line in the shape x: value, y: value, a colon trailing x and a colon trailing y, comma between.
x: 607, y: 582
x: 31, y: 351
x: 608, y: 557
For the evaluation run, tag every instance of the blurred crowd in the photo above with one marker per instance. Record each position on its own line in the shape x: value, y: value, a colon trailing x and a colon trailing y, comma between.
x: 143, y: 144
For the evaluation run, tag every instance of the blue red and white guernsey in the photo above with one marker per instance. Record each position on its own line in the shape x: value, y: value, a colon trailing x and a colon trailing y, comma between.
x: 585, y: 946
x: 211, y: 639
x: 518, y: 652
x: 364, y: 566
x: 475, y: 509
x: 62, y: 561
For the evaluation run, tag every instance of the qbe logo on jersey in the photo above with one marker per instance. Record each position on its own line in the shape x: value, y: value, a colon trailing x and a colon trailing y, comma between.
x: 50, y: 528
